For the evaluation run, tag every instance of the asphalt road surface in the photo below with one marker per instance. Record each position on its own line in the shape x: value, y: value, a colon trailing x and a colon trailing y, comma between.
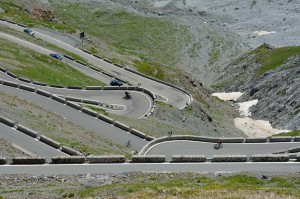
x: 29, y: 144
x: 203, y: 148
x: 100, y: 127
x: 137, y: 107
x: 71, y: 169
x: 174, y: 97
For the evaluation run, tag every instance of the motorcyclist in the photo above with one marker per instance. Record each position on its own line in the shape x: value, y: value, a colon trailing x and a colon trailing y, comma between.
x: 127, y: 95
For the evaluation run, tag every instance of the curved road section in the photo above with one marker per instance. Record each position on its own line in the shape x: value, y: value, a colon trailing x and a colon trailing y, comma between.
x: 174, y: 96
x: 137, y: 107
x: 184, y: 147
x: 100, y: 127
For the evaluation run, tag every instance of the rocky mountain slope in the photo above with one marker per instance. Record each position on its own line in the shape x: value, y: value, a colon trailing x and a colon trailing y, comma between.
x: 271, y: 75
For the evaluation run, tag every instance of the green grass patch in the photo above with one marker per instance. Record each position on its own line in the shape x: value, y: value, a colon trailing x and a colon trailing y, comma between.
x: 18, y: 14
x: 151, y: 69
x: 96, y: 109
x: 292, y: 133
x: 152, y: 39
x: 219, y: 45
x: 194, y: 50
x: 28, y: 64
x: 271, y: 59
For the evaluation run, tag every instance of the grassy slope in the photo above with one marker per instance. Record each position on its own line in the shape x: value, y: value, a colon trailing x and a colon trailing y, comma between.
x: 151, y: 185
x: 155, y: 41
x: 292, y: 133
x: 238, y: 186
x: 271, y: 59
x: 16, y: 12
x: 29, y: 64
x: 41, y: 42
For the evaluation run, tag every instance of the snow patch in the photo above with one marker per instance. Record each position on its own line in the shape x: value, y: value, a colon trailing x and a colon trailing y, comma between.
x: 228, y: 96
x: 245, y: 106
x: 261, y: 33
x: 251, y: 127
x: 256, y: 128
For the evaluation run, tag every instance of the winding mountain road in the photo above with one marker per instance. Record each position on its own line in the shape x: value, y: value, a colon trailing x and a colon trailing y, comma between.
x: 134, y: 108
x: 173, y: 96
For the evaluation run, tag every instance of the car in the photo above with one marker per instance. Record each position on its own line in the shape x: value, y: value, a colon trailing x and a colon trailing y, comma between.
x: 56, y: 56
x: 29, y: 31
x: 116, y: 82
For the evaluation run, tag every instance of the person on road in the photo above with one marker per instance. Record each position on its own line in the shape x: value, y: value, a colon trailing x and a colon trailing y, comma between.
x: 127, y: 95
x: 128, y: 143
x: 218, y: 145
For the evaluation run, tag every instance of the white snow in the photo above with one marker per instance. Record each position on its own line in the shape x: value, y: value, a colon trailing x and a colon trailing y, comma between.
x: 244, y: 107
x: 261, y: 33
x: 228, y: 96
x: 251, y: 127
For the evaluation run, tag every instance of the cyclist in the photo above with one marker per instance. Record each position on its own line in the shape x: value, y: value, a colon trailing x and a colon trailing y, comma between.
x: 218, y: 145
x: 128, y: 143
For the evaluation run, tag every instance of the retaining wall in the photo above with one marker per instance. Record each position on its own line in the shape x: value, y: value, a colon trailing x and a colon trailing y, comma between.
x: 90, y: 112
x: 24, y: 79
x: 50, y: 142
x: 94, y: 88
x: 27, y: 131
x: 188, y: 158
x: 281, y: 139
x: 28, y: 88
x: 70, y: 151
x: 9, y: 83
x: 148, y: 159
x: 121, y: 126
x: 76, y: 106
x: 297, y: 139
x: 270, y: 158
x: 68, y: 159
x: 44, y: 93
x: 256, y: 139
x: 2, y: 160
x: 7, y: 121
x: 229, y: 158
x: 106, y: 159
x: 294, y: 150
x: 138, y: 133
x: 29, y: 160
x: 106, y: 119
x: 59, y: 99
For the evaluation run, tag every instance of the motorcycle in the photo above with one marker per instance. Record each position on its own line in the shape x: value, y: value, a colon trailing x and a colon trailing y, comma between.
x: 127, y: 95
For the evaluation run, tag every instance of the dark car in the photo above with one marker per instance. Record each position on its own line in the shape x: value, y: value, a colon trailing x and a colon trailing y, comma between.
x: 56, y: 56
x: 116, y: 83
x: 28, y: 31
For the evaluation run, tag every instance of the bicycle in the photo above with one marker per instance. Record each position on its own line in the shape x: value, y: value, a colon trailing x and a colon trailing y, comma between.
x: 218, y: 146
x: 128, y: 144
